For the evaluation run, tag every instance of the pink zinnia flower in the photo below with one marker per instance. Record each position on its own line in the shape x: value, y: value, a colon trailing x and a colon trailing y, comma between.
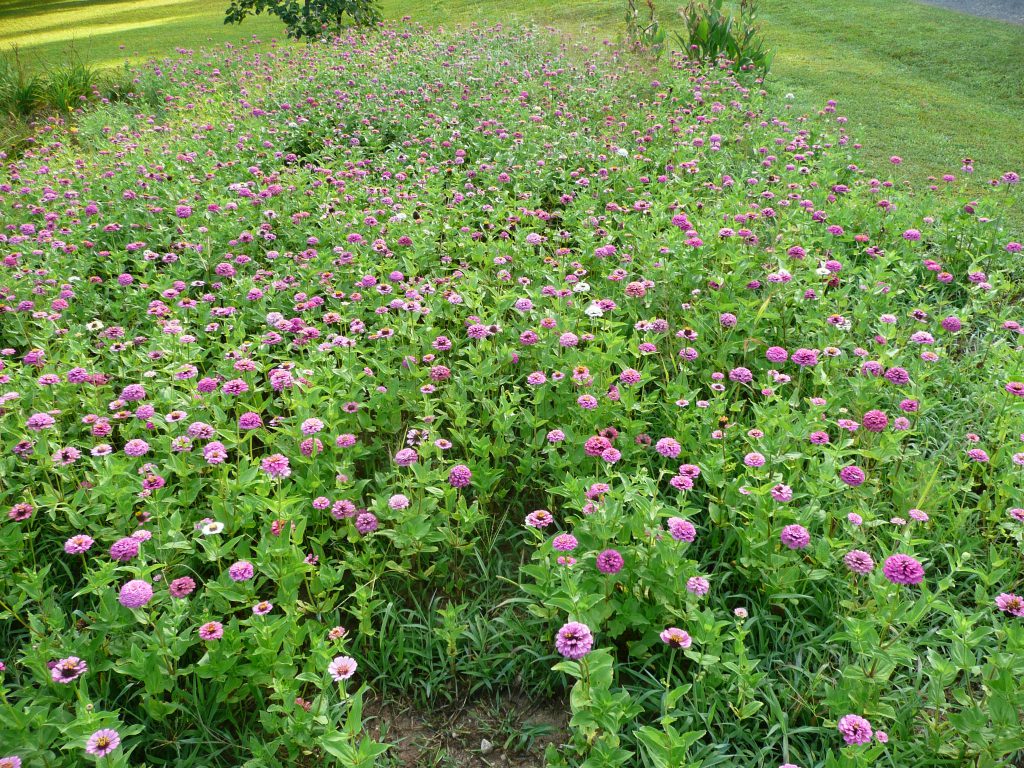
x: 102, y: 742
x: 211, y: 630
x: 366, y: 523
x: 78, y: 544
x: 539, y: 518
x: 681, y: 530
x: 574, y: 640
x: 852, y: 475
x: 459, y: 476
x: 855, y: 729
x: 610, y: 561
x: 698, y: 585
x: 311, y: 426
x: 676, y: 638
x: 182, y: 587
x: 406, y: 457
x: 903, y: 569
x: 564, y: 542
x: 668, y: 447
x: 342, y: 668
x: 276, y: 466
x: 859, y: 561
x: 136, y: 448
x: 1010, y: 603
x: 241, y: 571
x: 135, y: 594
x: 795, y: 537
x: 68, y: 670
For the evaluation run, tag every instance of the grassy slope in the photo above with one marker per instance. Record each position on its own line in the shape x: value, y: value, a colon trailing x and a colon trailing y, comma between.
x: 930, y: 85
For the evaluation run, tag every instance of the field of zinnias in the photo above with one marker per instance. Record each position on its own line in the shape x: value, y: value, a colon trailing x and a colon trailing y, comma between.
x: 439, y: 367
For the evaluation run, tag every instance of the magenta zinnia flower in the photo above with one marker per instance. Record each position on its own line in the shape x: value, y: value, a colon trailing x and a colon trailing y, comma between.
x: 681, y: 530
x: 903, y: 569
x: 574, y: 640
x: 610, y: 561
x: 859, y: 561
x: 124, y: 549
x: 855, y: 729
x: 366, y: 523
x: 250, y: 420
x: 182, y: 587
x: 805, y: 358
x: 852, y: 475
x: 459, y: 476
x: 795, y: 537
x: 875, y: 421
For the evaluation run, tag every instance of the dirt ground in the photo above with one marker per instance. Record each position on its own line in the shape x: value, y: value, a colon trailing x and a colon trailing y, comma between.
x: 508, y: 733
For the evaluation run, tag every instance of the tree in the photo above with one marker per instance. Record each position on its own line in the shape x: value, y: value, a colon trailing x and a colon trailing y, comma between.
x: 307, y: 18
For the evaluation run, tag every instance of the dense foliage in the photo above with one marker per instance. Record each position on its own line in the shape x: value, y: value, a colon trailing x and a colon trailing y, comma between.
x: 307, y: 18
x: 433, y: 366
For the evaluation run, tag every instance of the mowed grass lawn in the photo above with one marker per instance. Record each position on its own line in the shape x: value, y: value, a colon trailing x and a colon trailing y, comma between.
x: 930, y: 85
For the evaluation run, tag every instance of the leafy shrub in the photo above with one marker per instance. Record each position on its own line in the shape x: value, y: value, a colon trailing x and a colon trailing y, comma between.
x: 713, y: 33
x: 307, y: 18
x: 645, y: 34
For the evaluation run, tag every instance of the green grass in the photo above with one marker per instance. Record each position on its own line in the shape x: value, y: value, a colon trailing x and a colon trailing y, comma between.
x: 930, y: 85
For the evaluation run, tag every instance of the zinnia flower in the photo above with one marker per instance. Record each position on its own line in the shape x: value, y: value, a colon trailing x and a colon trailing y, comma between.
x: 68, y: 670
x: 681, y: 530
x: 342, y: 668
x: 211, y: 630
x: 903, y: 569
x: 103, y: 742
x: 610, y: 561
x: 855, y: 729
x: 795, y: 536
x: 676, y: 638
x: 574, y: 640
x: 135, y: 594
x: 859, y: 561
